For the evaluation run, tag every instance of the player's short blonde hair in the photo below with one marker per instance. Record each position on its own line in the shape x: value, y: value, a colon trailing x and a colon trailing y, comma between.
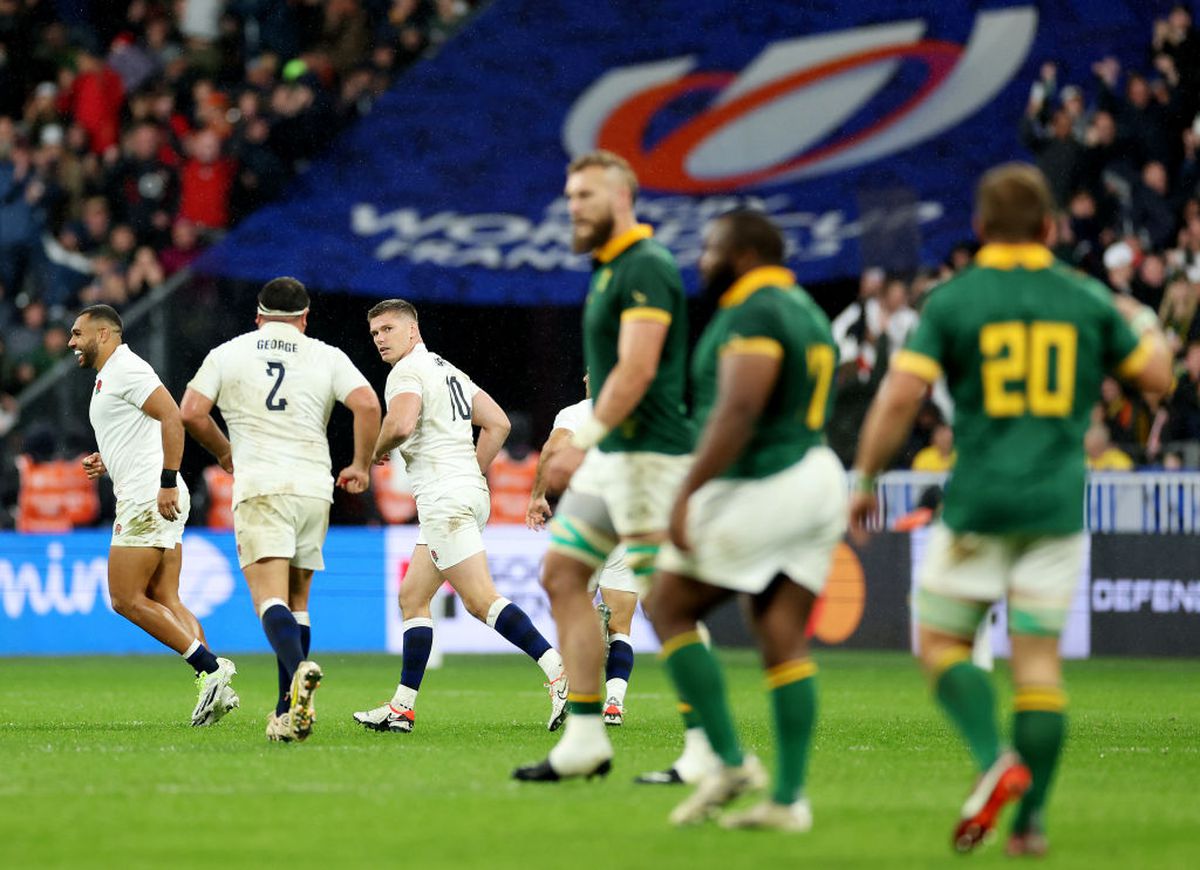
x: 607, y: 160
x: 400, y: 307
x: 1013, y: 203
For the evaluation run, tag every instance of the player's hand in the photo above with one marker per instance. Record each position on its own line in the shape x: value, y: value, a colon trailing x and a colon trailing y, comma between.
x: 537, y: 514
x: 863, y: 508
x: 225, y: 460
x: 168, y: 503
x: 677, y: 525
x: 93, y: 466
x: 353, y: 480
x: 562, y: 466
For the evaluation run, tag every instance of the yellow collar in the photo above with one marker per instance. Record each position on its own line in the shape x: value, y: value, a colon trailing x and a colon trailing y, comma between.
x: 754, y: 280
x: 615, y: 246
x: 1028, y: 256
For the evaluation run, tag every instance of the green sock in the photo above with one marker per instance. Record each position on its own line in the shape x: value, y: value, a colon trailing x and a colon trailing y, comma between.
x: 691, y: 718
x: 1039, y: 727
x: 583, y: 705
x: 965, y: 693
x: 697, y: 678
x: 794, y: 701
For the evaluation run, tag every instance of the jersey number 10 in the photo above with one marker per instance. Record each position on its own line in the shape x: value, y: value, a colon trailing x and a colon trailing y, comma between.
x: 459, y: 406
x: 1028, y: 368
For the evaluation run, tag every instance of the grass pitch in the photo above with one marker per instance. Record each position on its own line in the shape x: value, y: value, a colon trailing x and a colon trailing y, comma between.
x: 99, y: 768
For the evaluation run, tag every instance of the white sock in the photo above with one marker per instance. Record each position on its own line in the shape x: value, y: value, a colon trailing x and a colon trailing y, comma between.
x: 191, y: 649
x: 494, y: 611
x: 584, y: 744
x: 616, y: 688
x: 301, y: 617
x: 698, y: 757
x: 404, y: 697
x: 269, y: 603
x: 551, y: 664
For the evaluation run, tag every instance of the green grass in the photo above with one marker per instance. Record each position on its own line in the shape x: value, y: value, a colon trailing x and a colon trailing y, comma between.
x: 98, y: 768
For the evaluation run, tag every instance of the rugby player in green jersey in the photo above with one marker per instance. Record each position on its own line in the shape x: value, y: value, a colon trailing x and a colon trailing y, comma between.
x: 624, y: 462
x: 760, y: 512
x: 1023, y: 342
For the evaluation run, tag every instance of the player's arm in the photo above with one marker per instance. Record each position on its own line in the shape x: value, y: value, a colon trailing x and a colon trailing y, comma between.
x: 538, y: 511
x: 1148, y: 367
x: 161, y: 407
x: 493, y: 428
x: 364, y: 405
x: 745, y: 380
x: 639, y: 348
x: 196, y: 411
x: 402, y: 415
x: 885, y: 430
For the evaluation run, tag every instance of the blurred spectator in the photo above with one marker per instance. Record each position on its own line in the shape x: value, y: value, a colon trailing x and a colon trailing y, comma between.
x: 940, y: 454
x: 206, y: 182
x: 184, y: 248
x: 1118, y: 264
x: 1183, y: 408
x: 144, y: 189
x: 1127, y: 418
x: 1050, y: 134
x: 1150, y: 283
x: 1177, y: 314
x: 1101, y: 455
x: 53, y: 348
x: 94, y: 99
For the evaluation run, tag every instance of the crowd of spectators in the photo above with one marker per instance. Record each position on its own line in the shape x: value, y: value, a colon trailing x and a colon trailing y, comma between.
x: 1122, y: 154
x: 132, y: 133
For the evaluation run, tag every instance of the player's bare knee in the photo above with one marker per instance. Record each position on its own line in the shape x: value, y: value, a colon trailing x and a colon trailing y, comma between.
x: 128, y: 605
x: 479, y: 606
x: 413, y: 603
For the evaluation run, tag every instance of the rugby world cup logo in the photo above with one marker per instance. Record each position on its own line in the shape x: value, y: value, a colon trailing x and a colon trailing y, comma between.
x: 802, y: 108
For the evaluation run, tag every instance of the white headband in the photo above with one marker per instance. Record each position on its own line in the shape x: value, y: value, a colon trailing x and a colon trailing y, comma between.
x: 271, y: 312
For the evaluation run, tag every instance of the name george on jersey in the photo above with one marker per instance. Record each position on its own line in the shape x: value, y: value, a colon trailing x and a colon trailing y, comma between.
x: 276, y: 344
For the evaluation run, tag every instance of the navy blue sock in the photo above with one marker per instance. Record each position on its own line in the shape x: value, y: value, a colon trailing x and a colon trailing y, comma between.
x: 620, y: 661
x: 283, y: 633
x: 202, y: 660
x: 281, y: 705
x: 514, y: 626
x: 418, y: 641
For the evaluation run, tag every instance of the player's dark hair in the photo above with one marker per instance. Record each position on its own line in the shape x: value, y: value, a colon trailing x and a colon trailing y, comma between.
x: 392, y: 306
x: 1013, y: 203
x: 283, y: 294
x: 105, y: 313
x: 754, y: 231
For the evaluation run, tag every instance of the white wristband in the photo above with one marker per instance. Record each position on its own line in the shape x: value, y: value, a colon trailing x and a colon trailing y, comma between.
x: 1144, y: 321
x: 589, y: 434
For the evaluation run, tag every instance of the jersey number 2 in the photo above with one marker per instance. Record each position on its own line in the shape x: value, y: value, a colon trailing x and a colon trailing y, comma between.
x: 1028, y: 368
x: 273, y: 403
x: 459, y: 406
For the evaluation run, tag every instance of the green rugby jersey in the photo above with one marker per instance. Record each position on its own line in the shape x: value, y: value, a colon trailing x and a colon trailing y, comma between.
x: 765, y: 312
x: 1024, y: 342
x: 635, y: 278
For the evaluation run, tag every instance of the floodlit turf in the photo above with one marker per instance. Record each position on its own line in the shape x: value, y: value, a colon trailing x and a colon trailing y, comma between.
x: 98, y: 768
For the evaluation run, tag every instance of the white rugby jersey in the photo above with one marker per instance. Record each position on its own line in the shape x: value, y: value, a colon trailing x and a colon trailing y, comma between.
x: 129, y: 439
x: 572, y: 416
x: 440, y: 452
x: 276, y: 387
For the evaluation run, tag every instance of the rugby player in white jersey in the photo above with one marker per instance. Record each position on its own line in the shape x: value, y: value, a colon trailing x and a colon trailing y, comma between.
x: 140, y: 437
x: 431, y: 408
x: 618, y: 587
x: 275, y: 388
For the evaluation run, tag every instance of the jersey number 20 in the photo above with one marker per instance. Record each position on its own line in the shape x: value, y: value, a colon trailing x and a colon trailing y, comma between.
x: 1028, y: 368
x: 275, y: 403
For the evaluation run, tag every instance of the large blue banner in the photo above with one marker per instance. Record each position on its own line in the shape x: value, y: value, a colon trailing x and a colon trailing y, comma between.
x: 861, y: 127
x: 54, y: 595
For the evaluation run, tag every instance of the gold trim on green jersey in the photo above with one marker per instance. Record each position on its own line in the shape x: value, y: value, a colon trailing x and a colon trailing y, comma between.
x: 754, y: 280
x: 646, y: 312
x: 1007, y: 257
x: 1134, y: 364
x: 924, y: 367
x: 617, y: 245
x: 759, y: 345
